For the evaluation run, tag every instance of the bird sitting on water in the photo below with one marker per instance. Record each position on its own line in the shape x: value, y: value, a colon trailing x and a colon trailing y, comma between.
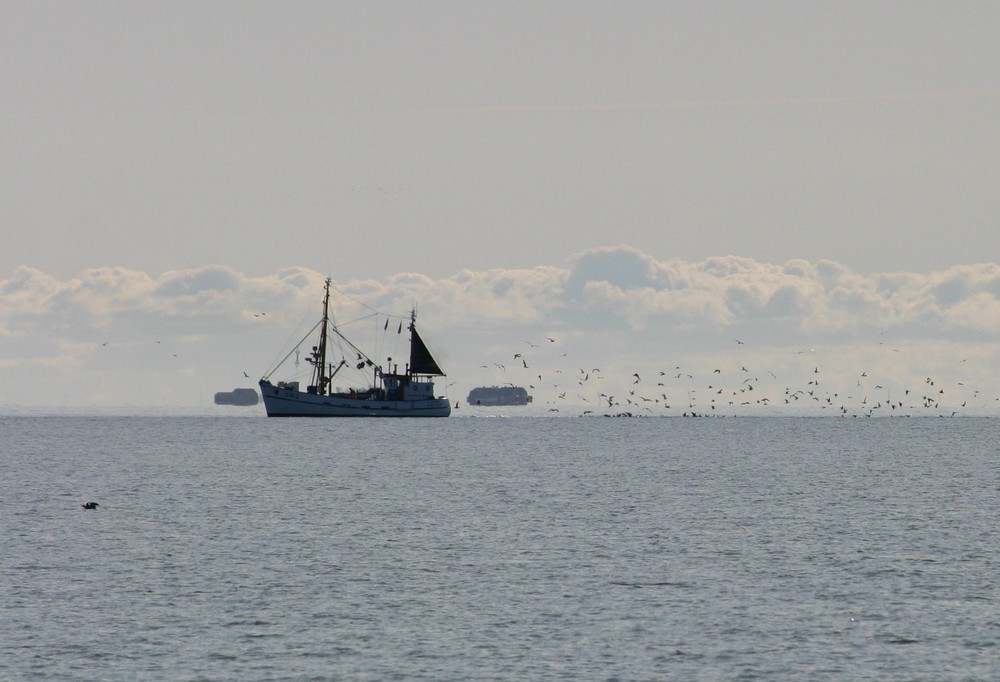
x: 90, y: 505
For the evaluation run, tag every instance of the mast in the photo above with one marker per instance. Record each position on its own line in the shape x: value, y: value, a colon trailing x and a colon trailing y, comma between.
x: 413, y: 330
x: 319, y: 352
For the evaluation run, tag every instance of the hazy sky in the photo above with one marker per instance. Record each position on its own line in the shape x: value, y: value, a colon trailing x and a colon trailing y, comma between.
x: 143, y: 145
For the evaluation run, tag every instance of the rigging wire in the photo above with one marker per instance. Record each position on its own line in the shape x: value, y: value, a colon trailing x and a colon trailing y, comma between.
x: 275, y: 364
x: 364, y: 305
x: 289, y: 354
x: 338, y: 340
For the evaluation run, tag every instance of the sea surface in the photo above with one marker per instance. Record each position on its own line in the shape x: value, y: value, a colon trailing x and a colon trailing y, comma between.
x: 234, y: 547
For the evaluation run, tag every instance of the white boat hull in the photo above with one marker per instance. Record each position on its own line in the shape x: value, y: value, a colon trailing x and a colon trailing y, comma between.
x: 283, y: 402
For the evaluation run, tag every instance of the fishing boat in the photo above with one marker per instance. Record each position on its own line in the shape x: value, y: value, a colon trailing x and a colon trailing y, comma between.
x: 387, y: 391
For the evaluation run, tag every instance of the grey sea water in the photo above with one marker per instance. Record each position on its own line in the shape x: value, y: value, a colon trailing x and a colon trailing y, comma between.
x: 234, y: 548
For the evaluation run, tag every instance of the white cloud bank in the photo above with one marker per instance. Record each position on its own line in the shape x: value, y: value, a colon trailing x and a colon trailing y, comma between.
x: 697, y: 333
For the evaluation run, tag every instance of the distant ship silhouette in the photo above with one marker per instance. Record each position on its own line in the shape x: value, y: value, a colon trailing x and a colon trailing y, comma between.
x: 498, y: 395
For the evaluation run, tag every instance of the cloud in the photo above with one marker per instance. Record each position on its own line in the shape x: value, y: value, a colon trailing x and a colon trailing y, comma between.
x: 623, y: 267
x: 25, y: 292
x: 799, y: 296
x: 210, y: 280
x: 202, y: 327
x: 620, y: 282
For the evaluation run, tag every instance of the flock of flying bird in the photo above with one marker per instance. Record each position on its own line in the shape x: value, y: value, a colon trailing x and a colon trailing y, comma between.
x: 677, y: 392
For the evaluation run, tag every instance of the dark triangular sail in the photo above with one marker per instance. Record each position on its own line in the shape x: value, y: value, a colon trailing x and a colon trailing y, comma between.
x: 421, y: 360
